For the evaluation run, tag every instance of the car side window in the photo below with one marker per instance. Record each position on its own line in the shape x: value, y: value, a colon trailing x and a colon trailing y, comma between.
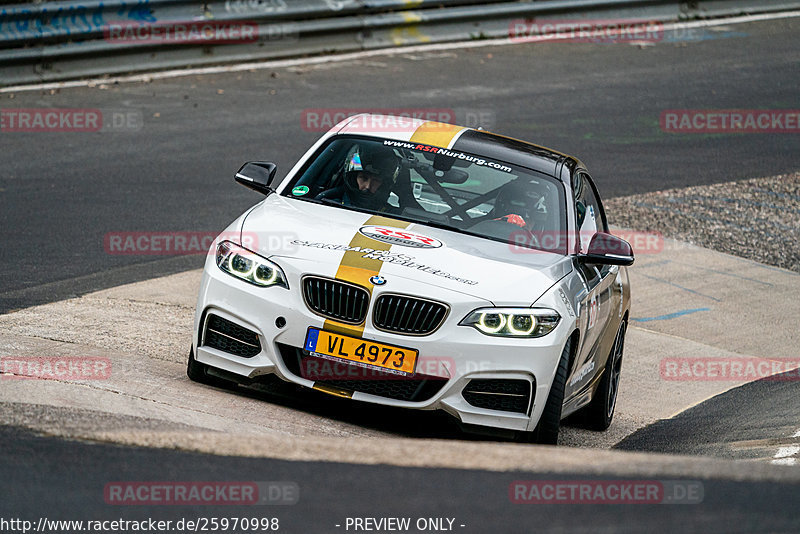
x: 589, y: 213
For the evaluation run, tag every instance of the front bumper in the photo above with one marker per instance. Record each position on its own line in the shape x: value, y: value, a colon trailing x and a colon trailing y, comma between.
x: 454, y: 361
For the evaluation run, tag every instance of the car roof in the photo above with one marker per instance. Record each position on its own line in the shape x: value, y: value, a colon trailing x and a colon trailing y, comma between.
x: 456, y: 138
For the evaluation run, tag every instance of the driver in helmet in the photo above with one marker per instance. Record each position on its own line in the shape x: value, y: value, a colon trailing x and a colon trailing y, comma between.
x: 519, y: 204
x: 370, y: 173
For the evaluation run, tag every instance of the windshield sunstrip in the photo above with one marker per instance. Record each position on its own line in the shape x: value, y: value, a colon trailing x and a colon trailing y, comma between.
x: 448, y: 153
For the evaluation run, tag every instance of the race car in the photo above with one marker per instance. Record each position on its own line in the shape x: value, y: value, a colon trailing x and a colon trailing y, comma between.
x: 428, y: 266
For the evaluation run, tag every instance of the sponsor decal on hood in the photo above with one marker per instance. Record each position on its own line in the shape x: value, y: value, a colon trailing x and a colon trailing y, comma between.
x: 397, y: 236
x: 386, y: 256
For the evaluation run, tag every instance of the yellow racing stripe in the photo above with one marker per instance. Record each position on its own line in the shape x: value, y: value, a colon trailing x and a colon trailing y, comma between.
x: 357, y: 270
x: 436, y: 133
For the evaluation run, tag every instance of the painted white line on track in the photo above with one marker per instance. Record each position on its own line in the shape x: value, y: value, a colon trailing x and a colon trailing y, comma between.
x: 787, y: 455
x: 281, y: 63
x: 784, y: 452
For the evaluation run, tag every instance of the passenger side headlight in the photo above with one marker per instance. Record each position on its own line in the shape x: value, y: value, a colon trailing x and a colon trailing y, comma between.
x: 513, y: 322
x: 249, y: 266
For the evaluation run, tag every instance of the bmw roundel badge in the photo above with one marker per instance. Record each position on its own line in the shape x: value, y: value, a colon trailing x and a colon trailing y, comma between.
x: 377, y: 280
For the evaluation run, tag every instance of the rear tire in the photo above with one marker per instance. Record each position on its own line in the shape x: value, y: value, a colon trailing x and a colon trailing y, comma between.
x: 600, y: 411
x: 547, y: 429
x: 198, y: 372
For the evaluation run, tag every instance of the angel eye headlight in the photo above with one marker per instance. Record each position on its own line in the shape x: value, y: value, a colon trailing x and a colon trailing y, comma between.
x: 491, y: 323
x: 265, y: 275
x: 241, y: 265
x: 521, y: 325
x: 513, y: 322
x: 249, y: 266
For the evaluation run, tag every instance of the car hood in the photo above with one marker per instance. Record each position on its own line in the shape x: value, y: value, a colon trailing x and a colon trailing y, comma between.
x: 321, y: 235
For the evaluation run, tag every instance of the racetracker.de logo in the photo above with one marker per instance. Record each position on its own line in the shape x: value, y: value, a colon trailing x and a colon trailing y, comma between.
x: 736, y: 369
x: 401, y: 119
x: 201, y: 493
x: 602, y: 31
x: 55, y: 367
x: 521, y: 241
x: 39, y: 120
x: 730, y: 121
x: 606, y: 492
x: 642, y: 242
x: 322, y: 367
x: 185, y: 243
x: 195, y: 32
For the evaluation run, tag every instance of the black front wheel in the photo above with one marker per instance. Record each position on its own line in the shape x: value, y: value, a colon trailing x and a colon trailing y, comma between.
x: 198, y: 372
x: 599, y: 413
x: 549, y: 425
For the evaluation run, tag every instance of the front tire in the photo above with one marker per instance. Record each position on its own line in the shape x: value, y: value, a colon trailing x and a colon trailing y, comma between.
x: 546, y: 432
x: 198, y: 372
x: 600, y: 411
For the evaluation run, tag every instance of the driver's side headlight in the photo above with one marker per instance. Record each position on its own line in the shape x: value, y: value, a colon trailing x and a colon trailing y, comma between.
x: 513, y: 322
x: 249, y: 266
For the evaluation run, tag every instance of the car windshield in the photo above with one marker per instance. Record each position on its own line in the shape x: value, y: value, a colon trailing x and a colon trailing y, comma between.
x: 463, y: 192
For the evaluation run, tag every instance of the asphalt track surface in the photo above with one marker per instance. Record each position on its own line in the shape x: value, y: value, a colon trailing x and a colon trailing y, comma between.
x: 61, y: 193
x: 712, y: 428
x: 50, y: 478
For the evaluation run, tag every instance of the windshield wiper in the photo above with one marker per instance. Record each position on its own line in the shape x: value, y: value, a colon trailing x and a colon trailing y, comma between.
x: 427, y: 222
x: 443, y: 226
x: 338, y: 204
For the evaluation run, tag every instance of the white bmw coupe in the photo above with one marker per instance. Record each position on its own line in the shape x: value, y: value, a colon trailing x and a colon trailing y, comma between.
x: 427, y: 266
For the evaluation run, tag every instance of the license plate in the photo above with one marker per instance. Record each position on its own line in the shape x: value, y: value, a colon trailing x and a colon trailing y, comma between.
x: 361, y: 351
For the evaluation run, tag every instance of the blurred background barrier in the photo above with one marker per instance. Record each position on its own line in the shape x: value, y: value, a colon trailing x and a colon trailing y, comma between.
x: 51, y: 41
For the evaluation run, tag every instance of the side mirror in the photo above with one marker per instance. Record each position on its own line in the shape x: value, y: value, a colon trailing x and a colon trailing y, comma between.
x: 607, y: 249
x: 257, y: 175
